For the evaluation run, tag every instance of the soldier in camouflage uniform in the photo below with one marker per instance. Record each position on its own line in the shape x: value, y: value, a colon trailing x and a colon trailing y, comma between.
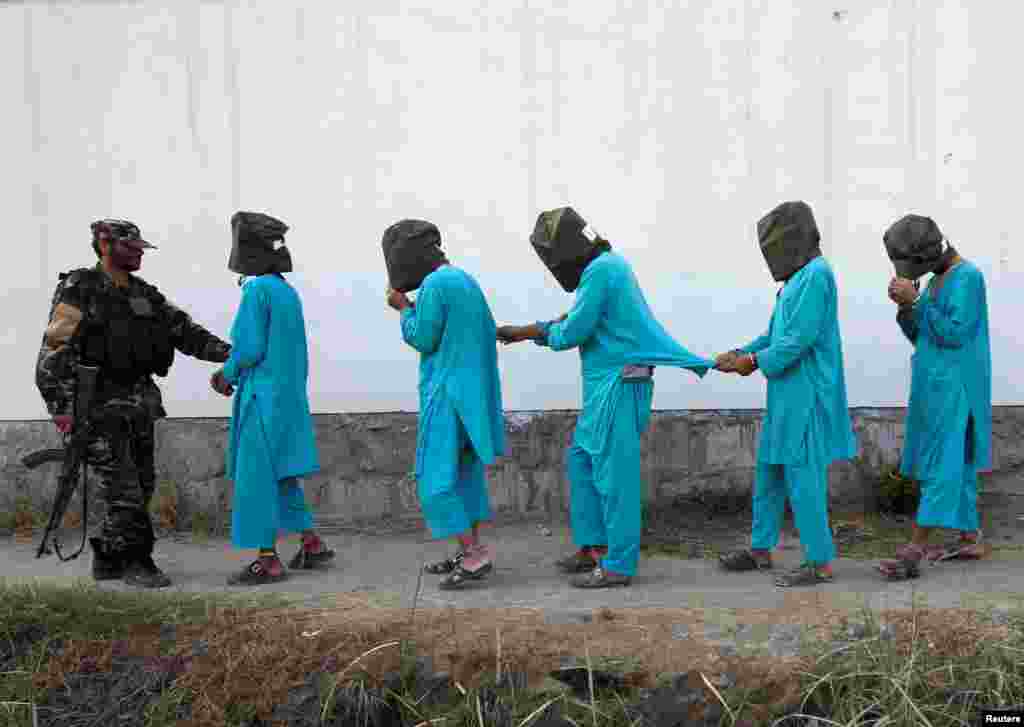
x: 107, y: 317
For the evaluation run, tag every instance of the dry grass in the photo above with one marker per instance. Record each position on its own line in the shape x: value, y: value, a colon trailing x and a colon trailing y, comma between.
x: 256, y: 657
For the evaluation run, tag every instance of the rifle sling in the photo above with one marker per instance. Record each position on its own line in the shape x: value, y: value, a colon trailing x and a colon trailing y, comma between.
x: 85, y: 518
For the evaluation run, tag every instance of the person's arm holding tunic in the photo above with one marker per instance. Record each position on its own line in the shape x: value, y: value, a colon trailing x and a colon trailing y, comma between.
x: 581, y: 321
x: 810, y: 307
x: 726, y: 362
x: 423, y: 323
x: 248, y: 334
x: 954, y: 321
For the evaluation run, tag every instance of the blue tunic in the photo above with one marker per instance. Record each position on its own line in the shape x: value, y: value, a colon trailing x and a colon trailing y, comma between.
x: 612, y: 325
x: 807, y: 420
x: 801, y: 355
x: 271, y: 441
x: 453, y: 329
x: 951, y: 380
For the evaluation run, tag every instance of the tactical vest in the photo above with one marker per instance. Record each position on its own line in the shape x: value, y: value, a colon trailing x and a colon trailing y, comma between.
x: 127, y: 337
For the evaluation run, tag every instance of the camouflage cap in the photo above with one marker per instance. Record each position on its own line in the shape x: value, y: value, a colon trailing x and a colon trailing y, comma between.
x: 118, y: 231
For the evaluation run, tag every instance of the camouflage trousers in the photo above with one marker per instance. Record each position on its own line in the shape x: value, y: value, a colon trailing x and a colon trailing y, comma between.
x: 121, y: 454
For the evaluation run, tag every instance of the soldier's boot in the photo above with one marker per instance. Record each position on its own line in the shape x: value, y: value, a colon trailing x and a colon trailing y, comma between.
x: 106, y: 565
x: 142, y: 572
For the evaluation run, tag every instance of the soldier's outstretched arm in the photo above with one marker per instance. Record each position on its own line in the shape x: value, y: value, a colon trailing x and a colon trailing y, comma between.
x: 192, y: 339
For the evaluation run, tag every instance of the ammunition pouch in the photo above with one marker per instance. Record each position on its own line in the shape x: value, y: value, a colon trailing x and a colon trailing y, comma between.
x: 129, y: 339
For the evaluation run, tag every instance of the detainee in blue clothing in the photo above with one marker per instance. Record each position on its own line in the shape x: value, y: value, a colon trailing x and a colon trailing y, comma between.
x: 948, y: 431
x: 461, y: 424
x: 271, y: 440
x: 807, y: 421
x: 620, y: 342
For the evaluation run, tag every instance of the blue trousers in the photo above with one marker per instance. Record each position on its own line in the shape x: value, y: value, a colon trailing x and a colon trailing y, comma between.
x: 263, y: 509
x: 806, y: 487
x: 950, y: 498
x: 452, y: 485
x: 606, y: 490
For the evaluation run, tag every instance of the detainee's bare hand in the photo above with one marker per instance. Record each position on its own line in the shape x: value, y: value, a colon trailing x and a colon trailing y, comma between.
x: 398, y: 300
x: 744, y: 366
x: 219, y: 384
x: 726, y: 362
x: 510, y: 334
x: 902, y: 291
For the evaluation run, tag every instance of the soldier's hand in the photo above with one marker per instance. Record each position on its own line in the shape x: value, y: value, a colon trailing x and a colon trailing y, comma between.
x: 65, y: 423
x: 220, y: 385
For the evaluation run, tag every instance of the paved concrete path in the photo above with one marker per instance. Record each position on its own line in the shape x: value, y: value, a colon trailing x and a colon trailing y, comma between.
x: 385, y: 568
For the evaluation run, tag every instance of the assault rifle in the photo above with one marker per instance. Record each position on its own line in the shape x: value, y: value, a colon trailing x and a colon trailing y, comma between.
x: 73, y: 459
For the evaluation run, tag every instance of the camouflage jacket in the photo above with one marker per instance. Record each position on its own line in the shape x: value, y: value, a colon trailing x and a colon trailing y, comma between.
x: 58, y: 354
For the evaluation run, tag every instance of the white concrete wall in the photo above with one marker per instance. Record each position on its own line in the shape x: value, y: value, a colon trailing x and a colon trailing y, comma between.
x: 671, y: 126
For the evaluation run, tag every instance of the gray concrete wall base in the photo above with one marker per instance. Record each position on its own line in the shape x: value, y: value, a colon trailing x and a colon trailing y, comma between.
x: 367, y: 461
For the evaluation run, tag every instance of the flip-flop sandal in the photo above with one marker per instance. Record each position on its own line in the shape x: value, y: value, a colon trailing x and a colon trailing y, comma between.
x: 804, y: 575
x: 744, y: 560
x: 460, y: 576
x: 443, y: 567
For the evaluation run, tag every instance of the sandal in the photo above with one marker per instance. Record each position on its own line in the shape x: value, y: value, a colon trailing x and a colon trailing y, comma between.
x: 745, y: 560
x: 906, y: 564
x: 937, y: 553
x: 307, y: 559
x: 442, y: 567
x: 579, y: 562
x: 804, y: 575
x: 963, y: 549
x: 599, y: 578
x: 460, y: 576
x: 256, y: 574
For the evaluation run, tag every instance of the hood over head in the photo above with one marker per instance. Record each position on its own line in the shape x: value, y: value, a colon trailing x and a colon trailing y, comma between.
x: 257, y: 245
x: 412, y: 251
x: 566, y: 244
x: 789, y: 238
x: 916, y: 246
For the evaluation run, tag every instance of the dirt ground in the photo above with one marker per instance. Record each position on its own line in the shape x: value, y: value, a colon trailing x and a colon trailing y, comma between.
x: 260, y: 659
